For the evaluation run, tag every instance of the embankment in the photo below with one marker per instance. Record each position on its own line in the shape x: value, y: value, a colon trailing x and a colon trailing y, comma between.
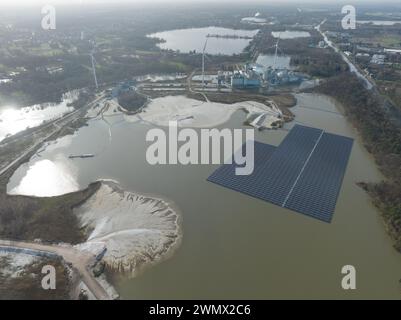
x: 382, y: 137
x: 136, y: 230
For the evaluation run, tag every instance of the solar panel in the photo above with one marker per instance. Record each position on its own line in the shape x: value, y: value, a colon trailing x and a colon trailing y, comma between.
x: 280, y: 172
x: 226, y: 177
x: 317, y: 190
x: 303, y: 174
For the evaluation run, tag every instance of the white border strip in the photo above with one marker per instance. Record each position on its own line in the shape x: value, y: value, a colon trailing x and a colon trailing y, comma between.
x: 302, y: 170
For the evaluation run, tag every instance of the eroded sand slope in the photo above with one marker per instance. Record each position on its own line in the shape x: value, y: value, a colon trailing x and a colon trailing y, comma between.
x: 136, y: 230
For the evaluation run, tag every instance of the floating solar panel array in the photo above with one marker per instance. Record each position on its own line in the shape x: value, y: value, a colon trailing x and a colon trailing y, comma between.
x: 303, y: 174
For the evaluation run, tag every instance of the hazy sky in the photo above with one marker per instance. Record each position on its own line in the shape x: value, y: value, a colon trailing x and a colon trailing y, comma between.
x: 41, y: 2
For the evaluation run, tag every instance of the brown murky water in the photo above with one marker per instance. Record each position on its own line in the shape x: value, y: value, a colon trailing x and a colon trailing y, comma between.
x: 235, y: 246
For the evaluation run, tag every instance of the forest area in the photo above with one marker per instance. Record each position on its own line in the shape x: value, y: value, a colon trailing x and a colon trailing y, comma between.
x: 382, y: 138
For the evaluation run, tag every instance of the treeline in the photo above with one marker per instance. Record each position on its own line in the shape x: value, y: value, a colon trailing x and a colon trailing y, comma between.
x: 305, y: 53
x: 319, y: 63
x: 123, y: 50
x: 382, y: 137
x: 37, y: 85
x: 84, y: 98
x: 49, y: 219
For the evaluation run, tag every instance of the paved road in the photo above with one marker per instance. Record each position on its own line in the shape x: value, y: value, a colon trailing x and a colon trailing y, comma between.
x: 189, y: 84
x: 80, y: 261
x: 369, y: 84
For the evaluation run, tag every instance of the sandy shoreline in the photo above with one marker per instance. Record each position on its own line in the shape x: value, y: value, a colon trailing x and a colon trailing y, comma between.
x: 134, y: 230
x: 197, y: 114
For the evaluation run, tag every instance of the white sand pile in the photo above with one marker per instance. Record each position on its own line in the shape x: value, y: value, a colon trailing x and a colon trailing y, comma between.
x: 136, y: 230
x: 193, y: 113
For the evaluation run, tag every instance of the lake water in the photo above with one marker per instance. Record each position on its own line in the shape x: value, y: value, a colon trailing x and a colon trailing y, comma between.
x: 186, y: 40
x: 160, y: 77
x: 235, y: 246
x: 291, y: 34
x: 5, y: 81
x: 14, y: 120
x: 256, y: 21
x: 392, y: 50
x: 379, y: 22
x: 267, y: 60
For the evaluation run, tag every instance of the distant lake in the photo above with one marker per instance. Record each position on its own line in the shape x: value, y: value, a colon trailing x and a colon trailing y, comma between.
x: 291, y: 34
x: 161, y: 77
x: 267, y: 60
x: 392, y: 50
x: 379, y: 22
x: 186, y: 40
x: 254, y: 20
x: 5, y: 80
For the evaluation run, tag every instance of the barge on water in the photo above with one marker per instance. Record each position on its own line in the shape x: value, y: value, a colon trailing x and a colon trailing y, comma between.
x: 82, y: 156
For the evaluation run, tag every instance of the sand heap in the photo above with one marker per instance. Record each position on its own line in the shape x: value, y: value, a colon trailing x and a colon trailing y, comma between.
x: 197, y: 114
x: 136, y: 230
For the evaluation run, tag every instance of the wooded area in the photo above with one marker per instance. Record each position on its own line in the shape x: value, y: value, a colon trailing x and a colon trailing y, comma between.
x: 382, y: 138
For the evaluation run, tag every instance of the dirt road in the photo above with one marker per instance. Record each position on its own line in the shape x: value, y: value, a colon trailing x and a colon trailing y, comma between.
x: 80, y: 261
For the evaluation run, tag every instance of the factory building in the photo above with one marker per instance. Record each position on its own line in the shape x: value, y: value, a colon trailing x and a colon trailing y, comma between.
x: 378, y: 59
x: 248, y: 79
x: 281, y: 76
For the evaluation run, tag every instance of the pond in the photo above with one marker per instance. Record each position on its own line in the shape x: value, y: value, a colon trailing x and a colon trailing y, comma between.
x: 14, y: 120
x: 255, y: 20
x: 186, y: 40
x: 379, y: 22
x: 268, y: 60
x: 291, y: 34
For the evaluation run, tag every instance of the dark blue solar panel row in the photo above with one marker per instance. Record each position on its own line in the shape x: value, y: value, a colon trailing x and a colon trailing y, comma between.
x: 281, y: 171
x: 317, y: 189
x: 226, y: 177
x: 303, y: 174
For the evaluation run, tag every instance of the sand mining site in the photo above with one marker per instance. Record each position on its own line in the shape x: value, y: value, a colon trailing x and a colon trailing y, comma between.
x: 116, y: 232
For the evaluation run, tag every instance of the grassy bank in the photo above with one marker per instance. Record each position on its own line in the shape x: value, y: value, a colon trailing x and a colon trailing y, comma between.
x: 48, y: 219
x: 30, y: 218
x: 382, y: 138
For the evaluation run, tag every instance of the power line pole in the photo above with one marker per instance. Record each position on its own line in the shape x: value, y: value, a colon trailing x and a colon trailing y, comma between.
x: 203, y: 61
x: 94, y: 69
